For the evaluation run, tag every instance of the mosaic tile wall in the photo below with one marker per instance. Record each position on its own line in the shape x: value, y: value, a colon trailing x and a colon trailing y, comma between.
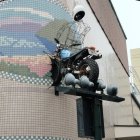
x: 27, y: 30
x: 32, y: 138
x: 28, y: 109
x: 36, y: 111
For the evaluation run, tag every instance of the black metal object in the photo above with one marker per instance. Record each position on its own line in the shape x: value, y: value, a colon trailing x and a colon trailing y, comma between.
x: 2, y: 0
x: 85, y: 118
x: 86, y: 93
x: 99, y: 121
x: 91, y: 111
x: 90, y: 118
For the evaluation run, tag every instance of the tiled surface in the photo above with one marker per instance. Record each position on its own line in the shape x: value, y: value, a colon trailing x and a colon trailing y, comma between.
x: 32, y: 138
x: 33, y: 111
x: 37, y: 113
x: 29, y: 80
x: 23, y: 39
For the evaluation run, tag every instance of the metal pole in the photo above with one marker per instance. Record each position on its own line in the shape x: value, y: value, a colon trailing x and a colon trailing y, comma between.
x: 97, y: 119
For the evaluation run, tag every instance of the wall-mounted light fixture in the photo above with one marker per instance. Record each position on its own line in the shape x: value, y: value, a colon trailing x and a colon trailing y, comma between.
x: 78, y: 11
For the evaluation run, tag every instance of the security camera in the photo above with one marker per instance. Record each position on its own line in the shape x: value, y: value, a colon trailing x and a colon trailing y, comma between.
x: 78, y: 12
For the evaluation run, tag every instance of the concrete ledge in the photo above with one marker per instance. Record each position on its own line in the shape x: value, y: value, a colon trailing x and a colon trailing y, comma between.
x: 127, y: 131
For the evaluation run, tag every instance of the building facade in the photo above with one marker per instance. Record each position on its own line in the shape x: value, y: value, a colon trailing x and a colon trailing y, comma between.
x: 29, y: 109
x: 135, y: 82
x: 135, y: 58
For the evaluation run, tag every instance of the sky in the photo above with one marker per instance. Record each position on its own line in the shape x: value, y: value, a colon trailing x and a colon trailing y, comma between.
x: 128, y: 12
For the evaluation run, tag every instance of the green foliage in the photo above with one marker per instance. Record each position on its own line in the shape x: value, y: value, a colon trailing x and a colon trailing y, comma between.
x: 17, y: 69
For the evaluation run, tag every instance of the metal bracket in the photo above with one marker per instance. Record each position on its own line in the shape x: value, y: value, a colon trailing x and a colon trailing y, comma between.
x: 86, y: 93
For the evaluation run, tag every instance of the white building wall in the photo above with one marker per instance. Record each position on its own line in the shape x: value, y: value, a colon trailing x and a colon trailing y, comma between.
x: 112, y: 72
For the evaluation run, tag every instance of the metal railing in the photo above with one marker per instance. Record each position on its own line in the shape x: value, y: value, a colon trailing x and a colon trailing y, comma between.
x: 135, y: 92
x: 134, y: 74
